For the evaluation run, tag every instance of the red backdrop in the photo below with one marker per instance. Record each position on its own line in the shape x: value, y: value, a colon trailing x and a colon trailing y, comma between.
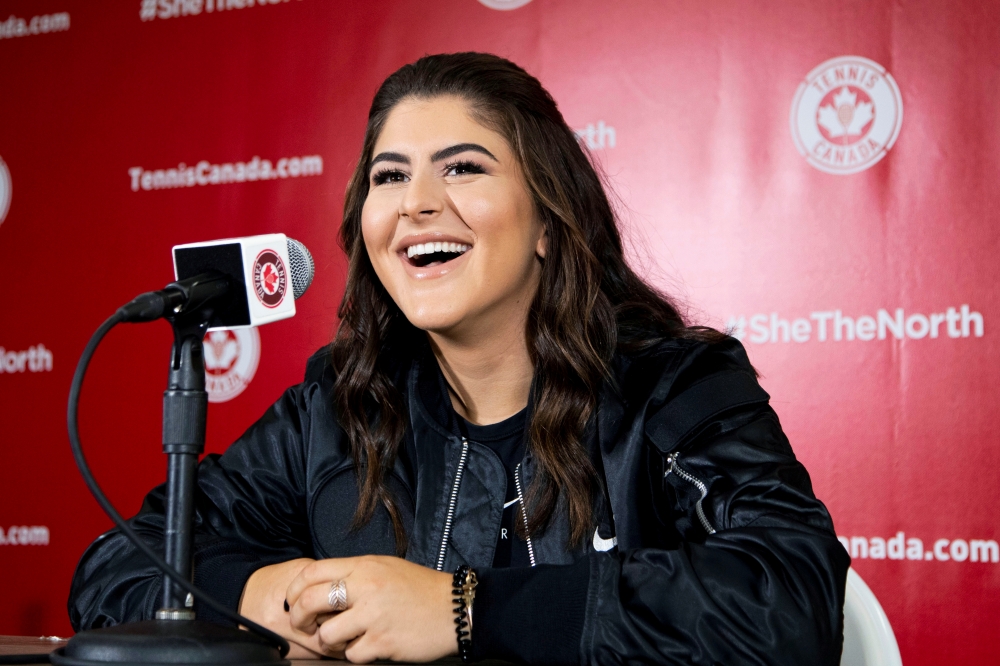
x: 821, y: 177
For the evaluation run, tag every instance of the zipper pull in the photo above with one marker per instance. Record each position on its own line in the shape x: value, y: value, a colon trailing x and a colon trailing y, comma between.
x: 671, y: 462
x: 684, y: 475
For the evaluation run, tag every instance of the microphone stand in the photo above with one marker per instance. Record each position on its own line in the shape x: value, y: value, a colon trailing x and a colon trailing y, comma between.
x: 185, y: 411
x: 175, y: 636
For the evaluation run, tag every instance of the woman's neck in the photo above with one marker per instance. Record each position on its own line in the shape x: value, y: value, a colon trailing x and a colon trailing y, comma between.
x: 489, y: 379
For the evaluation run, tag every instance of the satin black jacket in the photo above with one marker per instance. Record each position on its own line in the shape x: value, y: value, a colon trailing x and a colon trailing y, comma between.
x: 709, y: 547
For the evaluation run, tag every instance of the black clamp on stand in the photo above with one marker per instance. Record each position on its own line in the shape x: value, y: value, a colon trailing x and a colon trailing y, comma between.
x: 175, y: 637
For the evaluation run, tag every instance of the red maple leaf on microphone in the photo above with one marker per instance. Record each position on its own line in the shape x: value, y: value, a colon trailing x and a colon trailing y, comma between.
x: 270, y: 279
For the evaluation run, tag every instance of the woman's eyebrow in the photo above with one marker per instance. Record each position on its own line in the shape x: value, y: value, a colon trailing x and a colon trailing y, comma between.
x: 445, y: 153
x: 389, y: 157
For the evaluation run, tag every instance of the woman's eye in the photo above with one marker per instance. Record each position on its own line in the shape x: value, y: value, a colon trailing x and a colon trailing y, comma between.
x: 463, y: 168
x: 389, y: 176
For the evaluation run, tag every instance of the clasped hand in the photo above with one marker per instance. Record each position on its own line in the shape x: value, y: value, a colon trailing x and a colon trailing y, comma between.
x: 396, y: 609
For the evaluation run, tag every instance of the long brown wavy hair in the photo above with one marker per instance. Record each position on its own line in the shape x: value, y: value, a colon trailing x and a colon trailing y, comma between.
x: 589, y: 304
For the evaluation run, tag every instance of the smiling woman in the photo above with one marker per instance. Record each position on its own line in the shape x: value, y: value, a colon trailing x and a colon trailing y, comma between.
x: 512, y: 435
x: 469, y: 193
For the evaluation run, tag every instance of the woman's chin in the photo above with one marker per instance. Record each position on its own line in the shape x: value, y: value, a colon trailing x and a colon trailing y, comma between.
x: 435, y: 322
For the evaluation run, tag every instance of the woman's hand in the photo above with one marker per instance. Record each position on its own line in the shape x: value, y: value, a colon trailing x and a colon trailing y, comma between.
x: 263, y: 601
x: 395, y: 609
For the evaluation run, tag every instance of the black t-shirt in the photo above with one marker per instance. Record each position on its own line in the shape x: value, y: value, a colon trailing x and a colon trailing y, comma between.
x: 506, y: 438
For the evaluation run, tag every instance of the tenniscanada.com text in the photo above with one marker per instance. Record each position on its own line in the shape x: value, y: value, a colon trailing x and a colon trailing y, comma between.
x: 901, y: 547
x: 24, y: 535
x: 36, y: 25
x: 206, y: 173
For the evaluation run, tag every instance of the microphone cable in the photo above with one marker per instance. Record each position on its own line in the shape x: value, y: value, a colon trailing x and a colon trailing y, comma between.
x: 81, y: 462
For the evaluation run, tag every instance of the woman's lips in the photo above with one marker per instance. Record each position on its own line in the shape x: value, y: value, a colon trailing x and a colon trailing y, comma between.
x: 435, y: 247
x: 434, y: 270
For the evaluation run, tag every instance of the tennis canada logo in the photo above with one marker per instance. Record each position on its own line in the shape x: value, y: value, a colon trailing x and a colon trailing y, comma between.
x: 231, y: 359
x: 269, y: 279
x: 5, y: 190
x: 504, y: 5
x: 846, y: 115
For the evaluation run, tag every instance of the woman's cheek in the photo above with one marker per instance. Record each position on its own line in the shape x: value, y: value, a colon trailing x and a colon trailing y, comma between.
x: 376, y: 231
x: 481, y: 205
x: 370, y: 228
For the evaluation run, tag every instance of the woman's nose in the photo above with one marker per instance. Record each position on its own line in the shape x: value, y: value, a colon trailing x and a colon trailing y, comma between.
x: 423, y: 198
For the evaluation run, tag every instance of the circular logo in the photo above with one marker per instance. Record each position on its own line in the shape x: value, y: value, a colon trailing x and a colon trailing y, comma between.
x: 5, y: 190
x: 846, y: 115
x: 504, y: 5
x: 231, y: 358
x: 269, y: 279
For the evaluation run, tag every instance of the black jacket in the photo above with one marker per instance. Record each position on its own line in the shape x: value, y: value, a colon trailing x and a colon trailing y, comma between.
x: 710, y: 546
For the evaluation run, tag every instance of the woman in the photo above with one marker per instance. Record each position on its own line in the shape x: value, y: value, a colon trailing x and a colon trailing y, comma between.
x: 504, y: 393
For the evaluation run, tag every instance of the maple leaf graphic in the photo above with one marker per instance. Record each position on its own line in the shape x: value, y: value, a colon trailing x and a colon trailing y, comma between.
x: 845, y: 116
x: 221, y: 351
x: 270, y: 279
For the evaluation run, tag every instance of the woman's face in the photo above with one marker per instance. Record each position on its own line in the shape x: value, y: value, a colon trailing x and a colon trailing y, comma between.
x: 449, y: 223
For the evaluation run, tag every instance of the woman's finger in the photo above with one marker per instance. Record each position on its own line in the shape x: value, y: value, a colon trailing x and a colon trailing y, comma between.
x: 328, y: 571
x: 365, y: 649
x: 341, y: 629
x: 299, y: 651
x: 312, y: 603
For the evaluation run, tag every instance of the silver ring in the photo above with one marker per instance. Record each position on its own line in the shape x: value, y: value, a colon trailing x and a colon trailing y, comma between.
x: 337, y: 597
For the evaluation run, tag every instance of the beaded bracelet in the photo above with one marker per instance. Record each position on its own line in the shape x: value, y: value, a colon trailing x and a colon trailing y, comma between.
x: 464, y: 589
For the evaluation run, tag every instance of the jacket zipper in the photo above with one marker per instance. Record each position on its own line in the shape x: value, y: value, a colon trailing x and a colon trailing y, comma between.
x: 453, y: 501
x: 524, y: 513
x: 672, y: 466
x: 451, y: 504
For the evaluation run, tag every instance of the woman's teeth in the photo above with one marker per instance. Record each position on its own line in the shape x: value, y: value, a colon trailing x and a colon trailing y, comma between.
x: 431, y: 248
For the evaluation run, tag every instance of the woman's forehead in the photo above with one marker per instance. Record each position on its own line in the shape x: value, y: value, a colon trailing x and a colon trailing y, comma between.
x: 426, y: 125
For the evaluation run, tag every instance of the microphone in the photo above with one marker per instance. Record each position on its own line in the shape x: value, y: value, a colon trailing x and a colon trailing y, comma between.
x: 244, y: 281
x: 225, y: 283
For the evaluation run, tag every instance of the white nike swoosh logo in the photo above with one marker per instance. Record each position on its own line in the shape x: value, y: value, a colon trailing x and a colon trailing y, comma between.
x: 604, y: 545
x: 513, y: 501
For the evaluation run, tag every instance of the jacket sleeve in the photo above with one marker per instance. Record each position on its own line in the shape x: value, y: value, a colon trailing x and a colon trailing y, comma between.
x: 249, y: 512
x: 756, y: 576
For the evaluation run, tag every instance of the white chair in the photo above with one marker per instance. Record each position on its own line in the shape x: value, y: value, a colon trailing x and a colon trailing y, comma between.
x: 868, y: 637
